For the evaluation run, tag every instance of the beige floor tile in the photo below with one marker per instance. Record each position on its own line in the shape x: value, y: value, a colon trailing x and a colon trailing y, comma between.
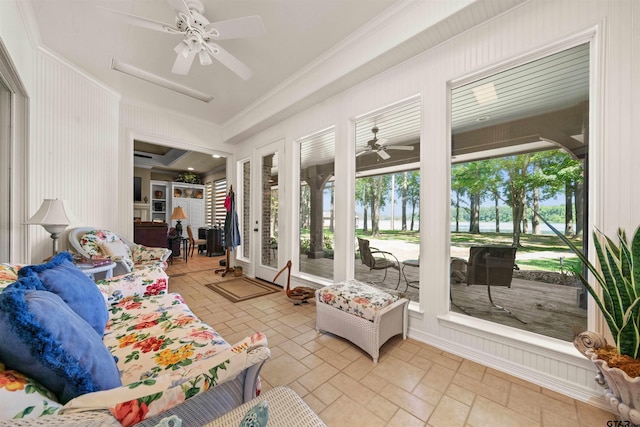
x: 315, y: 377
x: 407, y: 401
x: 399, y: 373
x: 485, y: 412
x: 382, y: 408
x: 283, y: 370
x: 347, y: 412
x: 449, y: 413
x: 327, y: 393
x: 404, y: 419
x: 413, y: 384
x: 353, y: 389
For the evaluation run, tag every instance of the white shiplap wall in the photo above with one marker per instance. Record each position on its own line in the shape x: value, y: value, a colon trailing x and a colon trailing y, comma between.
x: 73, y: 151
x: 613, y: 27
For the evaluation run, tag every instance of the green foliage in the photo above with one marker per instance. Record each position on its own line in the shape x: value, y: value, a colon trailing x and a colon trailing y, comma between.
x: 188, y: 177
x: 618, y: 279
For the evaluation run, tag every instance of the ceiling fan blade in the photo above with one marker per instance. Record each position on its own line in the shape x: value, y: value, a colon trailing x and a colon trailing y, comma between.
x: 183, y: 63
x: 400, y: 147
x: 365, y: 151
x: 249, y: 26
x: 383, y: 154
x: 382, y: 141
x: 139, y: 21
x: 229, y: 61
x: 179, y: 6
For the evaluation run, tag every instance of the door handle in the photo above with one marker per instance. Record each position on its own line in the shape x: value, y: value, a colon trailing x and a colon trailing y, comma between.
x: 255, y: 229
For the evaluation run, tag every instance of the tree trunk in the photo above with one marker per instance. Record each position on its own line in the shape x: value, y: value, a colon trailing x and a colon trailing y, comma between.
x: 525, y: 221
x: 474, y: 219
x: 568, y: 210
x: 331, y: 218
x: 413, y: 214
x: 535, y: 221
x: 457, y: 212
x: 579, y: 196
x: 497, y: 209
x: 365, y: 219
x: 404, y: 200
x: 376, y: 194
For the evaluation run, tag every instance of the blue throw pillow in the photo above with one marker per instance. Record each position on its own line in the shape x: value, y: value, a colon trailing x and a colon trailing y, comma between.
x: 64, y: 279
x: 41, y: 337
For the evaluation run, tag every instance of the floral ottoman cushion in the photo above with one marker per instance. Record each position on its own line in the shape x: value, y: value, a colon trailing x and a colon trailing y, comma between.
x: 8, y: 274
x: 357, y: 298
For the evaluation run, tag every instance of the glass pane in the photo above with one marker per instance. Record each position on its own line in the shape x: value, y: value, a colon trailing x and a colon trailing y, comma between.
x: 519, y: 150
x: 269, y: 238
x: 316, y: 220
x: 5, y: 170
x: 246, y: 209
x: 388, y: 198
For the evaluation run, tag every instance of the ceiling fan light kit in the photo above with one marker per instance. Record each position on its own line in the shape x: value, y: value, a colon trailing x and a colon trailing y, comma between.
x: 198, y: 35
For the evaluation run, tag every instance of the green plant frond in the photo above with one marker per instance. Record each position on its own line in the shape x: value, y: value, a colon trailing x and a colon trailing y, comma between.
x: 635, y: 260
x: 618, y: 280
x: 606, y: 313
x: 608, y: 282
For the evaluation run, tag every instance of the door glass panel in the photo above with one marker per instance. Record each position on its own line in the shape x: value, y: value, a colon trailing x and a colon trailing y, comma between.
x: 519, y: 153
x: 316, y: 220
x: 5, y: 171
x: 245, y: 169
x: 269, y: 234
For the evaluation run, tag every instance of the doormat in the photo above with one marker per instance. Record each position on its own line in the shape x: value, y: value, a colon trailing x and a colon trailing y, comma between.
x: 242, y: 289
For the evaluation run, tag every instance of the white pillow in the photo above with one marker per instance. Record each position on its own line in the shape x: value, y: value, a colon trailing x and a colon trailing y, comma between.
x: 116, y: 248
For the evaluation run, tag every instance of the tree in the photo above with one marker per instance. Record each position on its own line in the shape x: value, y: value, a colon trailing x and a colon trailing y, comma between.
x: 305, y: 203
x: 413, y: 194
x: 361, y: 199
x: 471, y: 178
x: 379, y: 185
x: 402, y: 189
x: 517, y: 169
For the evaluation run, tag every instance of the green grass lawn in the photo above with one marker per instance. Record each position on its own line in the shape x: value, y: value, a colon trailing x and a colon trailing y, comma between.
x: 529, y: 244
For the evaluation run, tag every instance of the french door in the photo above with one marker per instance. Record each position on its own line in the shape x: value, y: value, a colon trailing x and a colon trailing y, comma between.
x: 266, y: 188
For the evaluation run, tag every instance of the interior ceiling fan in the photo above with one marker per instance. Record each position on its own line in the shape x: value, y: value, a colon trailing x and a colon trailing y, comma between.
x: 200, y: 35
x: 377, y: 145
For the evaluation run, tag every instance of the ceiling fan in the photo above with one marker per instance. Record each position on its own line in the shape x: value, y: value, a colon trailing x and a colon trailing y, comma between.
x: 377, y: 145
x: 200, y: 35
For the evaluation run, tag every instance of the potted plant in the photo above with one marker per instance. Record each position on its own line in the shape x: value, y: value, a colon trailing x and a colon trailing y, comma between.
x: 188, y: 178
x: 617, y: 294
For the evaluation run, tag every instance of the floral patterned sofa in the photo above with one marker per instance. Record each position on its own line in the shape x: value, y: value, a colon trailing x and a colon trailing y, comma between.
x: 94, y: 243
x: 166, y: 361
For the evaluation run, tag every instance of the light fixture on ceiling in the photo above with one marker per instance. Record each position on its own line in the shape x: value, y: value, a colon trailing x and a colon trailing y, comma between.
x: 482, y: 119
x: 189, y: 168
x: 485, y: 94
x: 216, y: 156
x: 160, y: 81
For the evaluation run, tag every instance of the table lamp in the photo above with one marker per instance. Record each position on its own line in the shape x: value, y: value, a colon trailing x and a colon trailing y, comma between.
x: 53, y: 218
x: 178, y: 214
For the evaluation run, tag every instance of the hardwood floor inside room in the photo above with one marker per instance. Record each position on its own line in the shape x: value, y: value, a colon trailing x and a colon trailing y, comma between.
x: 414, y: 384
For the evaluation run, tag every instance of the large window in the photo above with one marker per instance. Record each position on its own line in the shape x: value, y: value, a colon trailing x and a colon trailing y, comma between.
x: 387, y: 197
x: 519, y: 149
x: 316, y: 214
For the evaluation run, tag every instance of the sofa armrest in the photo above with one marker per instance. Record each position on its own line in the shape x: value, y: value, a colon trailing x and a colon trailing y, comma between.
x: 141, y: 253
x: 135, y: 402
x: 151, y: 280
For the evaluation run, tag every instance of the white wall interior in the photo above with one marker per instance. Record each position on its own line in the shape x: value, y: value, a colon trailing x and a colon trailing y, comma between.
x: 530, y: 29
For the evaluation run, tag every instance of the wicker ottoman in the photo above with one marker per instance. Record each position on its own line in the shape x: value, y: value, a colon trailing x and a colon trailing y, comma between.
x: 362, y: 314
x: 286, y: 409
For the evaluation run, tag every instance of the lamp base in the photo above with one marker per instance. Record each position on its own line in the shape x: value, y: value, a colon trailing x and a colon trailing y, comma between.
x: 178, y: 228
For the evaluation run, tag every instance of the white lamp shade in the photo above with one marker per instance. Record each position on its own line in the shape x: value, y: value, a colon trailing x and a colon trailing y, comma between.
x: 51, y: 213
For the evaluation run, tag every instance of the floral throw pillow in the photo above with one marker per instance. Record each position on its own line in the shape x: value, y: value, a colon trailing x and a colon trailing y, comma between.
x: 22, y: 397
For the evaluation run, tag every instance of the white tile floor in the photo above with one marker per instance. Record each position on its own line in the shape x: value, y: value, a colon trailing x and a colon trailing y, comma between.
x: 414, y: 384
